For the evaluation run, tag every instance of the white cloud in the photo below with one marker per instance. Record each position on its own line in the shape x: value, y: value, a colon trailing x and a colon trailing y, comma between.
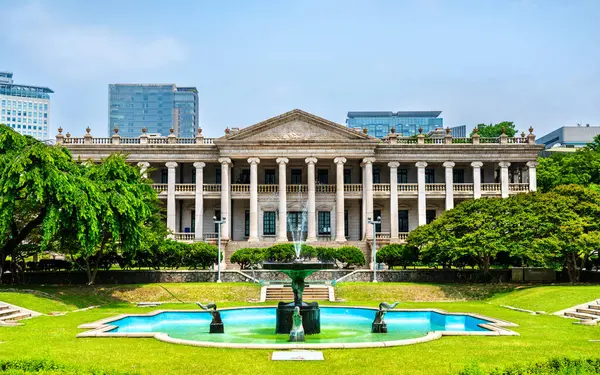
x: 80, y: 50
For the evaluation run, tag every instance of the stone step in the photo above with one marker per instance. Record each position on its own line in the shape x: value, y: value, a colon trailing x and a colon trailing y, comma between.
x: 595, y: 307
x: 589, y: 311
x: 4, y: 307
x: 9, y: 311
x: 579, y: 315
x: 16, y: 316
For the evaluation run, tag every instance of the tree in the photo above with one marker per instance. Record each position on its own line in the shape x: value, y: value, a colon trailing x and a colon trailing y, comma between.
x: 247, y: 257
x: 581, y: 167
x: 351, y: 255
x: 201, y: 255
x: 40, y: 188
x: 397, y: 255
x: 495, y: 130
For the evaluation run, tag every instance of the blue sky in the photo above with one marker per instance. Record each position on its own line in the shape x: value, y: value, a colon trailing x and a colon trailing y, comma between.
x: 533, y: 62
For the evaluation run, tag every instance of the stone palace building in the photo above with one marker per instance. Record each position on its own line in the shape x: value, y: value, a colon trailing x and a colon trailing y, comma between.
x: 301, y: 170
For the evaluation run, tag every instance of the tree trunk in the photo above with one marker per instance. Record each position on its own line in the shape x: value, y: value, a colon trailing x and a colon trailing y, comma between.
x: 92, y: 277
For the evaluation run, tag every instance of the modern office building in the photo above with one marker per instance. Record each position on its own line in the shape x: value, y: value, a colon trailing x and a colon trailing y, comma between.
x: 407, y: 123
x: 300, y: 170
x: 569, y: 138
x: 155, y: 107
x: 25, y: 108
x: 459, y: 131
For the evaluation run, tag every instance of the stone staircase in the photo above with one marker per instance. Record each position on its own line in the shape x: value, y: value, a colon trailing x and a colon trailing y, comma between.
x: 587, y: 313
x: 285, y: 293
x: 10, y: 314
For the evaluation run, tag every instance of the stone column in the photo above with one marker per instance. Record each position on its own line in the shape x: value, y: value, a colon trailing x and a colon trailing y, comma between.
x: 368, y: 188
x: 312, y: 224
x: 225, y: 188
x: 476, y: 179
x: 364, y: 202
x: 393, y: 199
x: 199, y: 208
x: 339, y: 199
x: 143, y: 165
x: 422, y: 205
x: 171, y: 216
x: 532, y: 175
x: 504, y: 181
x: 449, y: 185
x: 282, y: 232
x: 253, y: 199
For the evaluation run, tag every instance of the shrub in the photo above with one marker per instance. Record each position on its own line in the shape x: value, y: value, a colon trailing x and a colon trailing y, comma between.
x: 247, y: 257
x: 351, y: 255
x: 307, y: 252
x: 326, y: 254
x: 47, y: 366
x: 552, y: 367
x: 201, y: 255
x: 397, y: 255
x: 280, y: 253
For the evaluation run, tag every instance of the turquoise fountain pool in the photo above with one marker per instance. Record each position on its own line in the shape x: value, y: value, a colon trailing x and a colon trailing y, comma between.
x: 255, y: 327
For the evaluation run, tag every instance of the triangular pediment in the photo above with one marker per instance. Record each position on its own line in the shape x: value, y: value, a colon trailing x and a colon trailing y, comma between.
x: 296, y: 126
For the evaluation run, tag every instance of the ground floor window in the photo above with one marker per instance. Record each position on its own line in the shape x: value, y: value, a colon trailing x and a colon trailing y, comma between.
x: 324, y: 222
x: 247, y: 223
x: 429, y: 216
x: 193, y: 228
x: 346, y: 223
x: 403, y: 221
x: 269, y: 223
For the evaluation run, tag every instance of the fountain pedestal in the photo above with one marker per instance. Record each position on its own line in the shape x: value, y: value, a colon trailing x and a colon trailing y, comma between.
x: 311, y: 315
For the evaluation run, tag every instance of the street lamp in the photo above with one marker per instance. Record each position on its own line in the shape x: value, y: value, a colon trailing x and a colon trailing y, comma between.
x: 219, y: 223
x: 374, y: 223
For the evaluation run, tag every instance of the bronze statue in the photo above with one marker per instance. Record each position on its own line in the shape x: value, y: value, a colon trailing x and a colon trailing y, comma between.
x: 297, y: 332
x: 379, y: 325
x: 216, y: 326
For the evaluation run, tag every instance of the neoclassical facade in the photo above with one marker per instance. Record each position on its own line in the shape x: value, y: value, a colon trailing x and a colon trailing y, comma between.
x: 298, y: 170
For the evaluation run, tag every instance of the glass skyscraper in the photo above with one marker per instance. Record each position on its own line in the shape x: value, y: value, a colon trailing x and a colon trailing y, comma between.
x: 24, y: 108
x: 158, y: 108
x: 406, y: 123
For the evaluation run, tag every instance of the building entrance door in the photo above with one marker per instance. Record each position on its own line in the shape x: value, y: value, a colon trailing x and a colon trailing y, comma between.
x: 297, y: 225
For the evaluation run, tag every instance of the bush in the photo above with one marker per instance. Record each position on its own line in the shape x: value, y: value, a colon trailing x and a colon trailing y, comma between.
x: 557, y: 366
x: 351, y: 255
x: 326, y: 254
x: 397, y: 255
x: 247, y: 257
x: 280, y: 253
x: 307, y: 252
x: 200, y: 255
x: 46, y: 366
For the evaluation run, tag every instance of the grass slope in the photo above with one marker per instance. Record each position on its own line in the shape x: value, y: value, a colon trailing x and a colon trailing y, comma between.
x: 542, y: 336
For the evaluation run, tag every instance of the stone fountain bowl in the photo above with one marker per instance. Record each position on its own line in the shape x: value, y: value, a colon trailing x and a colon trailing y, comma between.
x: 298, y: 266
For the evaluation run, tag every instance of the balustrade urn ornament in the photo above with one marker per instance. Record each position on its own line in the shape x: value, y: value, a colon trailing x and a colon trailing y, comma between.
x: 365, y: 130
x: 393, y: 130
x: 448, y: 130
x: 116, y: 129
x: 531, y: 130
x: 200, y: 132
x: 475, y: 130
x: 420, y: 130
x: 88, y: 130
x: 522, y: 134
x: 144, y: 130
x: 60, y: 130
x: 68, y: 135
x: 503, y: 131
x: 171, y: 130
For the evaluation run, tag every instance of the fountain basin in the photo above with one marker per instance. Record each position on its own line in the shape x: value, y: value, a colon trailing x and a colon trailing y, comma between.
x: 341, y: 327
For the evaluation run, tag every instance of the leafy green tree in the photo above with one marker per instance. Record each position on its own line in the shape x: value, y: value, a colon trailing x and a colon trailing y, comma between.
x: 495, y: 130
x: 325, y: 254
x: 248, y: 257
x: 397, y: 255
x: 581, y: 167
x: 201, y: 255
x: 351, y: 255
x: 280, y: 253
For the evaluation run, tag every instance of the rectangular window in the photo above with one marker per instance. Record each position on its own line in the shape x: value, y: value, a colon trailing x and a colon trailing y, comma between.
x: 403, y: 221
x: 430, y: 176
x: 458, y: 176
x: 377, y: 214
x: 323, y: 176
x: 269, y: 176
x: 296, y: 177
x: 429, y: 216
x: 347, y: 176
x: 376, y: 175
x: 164, y: 179
x: 346, y: 229
x: 324, y: 223
x: 218, y: 175
x: 244, y: 177
x: 403, y: 176
x: 269, y: 223
x: 246, y: 223
x: 193, y: 229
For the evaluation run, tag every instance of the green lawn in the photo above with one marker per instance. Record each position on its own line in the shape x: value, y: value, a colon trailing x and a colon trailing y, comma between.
x: 542, y: 336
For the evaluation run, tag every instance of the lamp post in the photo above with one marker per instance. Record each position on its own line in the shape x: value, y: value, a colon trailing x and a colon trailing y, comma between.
x: 374, y: 223
x: 219, y: 223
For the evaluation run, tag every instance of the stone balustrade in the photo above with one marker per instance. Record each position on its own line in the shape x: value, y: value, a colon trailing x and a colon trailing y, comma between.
x: 379, y: 188
x: 159, y: 188
x: 408, y: 188
x: 185, y: 237
x: 353, y: 188
x: 268, y: 188
x: 296, y: 188
x: 463, y: 188
x: 490, y: 188
x: 325, y: 188
x: 402, y: 236
x: 185, y: 187
x: 518, y: 187
x: 440, y: 188
x: 212, y: 188
x: 240, y: 188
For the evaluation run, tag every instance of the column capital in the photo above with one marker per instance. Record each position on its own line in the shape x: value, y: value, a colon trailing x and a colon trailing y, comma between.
x: 282, y: 161
x: 143, y: 164
x: 532, y: 164
x: 171, y: 164
x: 253, y: 160
x: 476, y: 164
x: 393, y: 164
x: 339, y: 160
x: 421, y: 164
x: 224, y: 161
x: 369, y: 160
x: 310, y: 160
x: 449, y: 164
x: 504, y: 164
x: 199, y: 165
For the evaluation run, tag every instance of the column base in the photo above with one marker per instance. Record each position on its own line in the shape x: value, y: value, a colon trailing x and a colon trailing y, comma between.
x: 341, y: 240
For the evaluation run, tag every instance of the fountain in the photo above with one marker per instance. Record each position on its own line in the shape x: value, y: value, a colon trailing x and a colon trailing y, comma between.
x: 298, y: 270
x: 216, y: 326
x: 379, y: 325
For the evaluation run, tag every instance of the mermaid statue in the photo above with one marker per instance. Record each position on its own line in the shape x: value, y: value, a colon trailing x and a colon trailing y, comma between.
x: 379, y: 325
x: 297, y: 332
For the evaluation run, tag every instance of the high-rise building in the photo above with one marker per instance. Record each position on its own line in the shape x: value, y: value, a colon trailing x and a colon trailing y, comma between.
x: 156, y: 107
x: 407, y: 123
x: 567, y: 138
x: 24, y: 108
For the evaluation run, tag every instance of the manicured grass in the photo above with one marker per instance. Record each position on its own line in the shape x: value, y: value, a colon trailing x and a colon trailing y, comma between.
x: 542, y: 336
x: 549, y: 298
